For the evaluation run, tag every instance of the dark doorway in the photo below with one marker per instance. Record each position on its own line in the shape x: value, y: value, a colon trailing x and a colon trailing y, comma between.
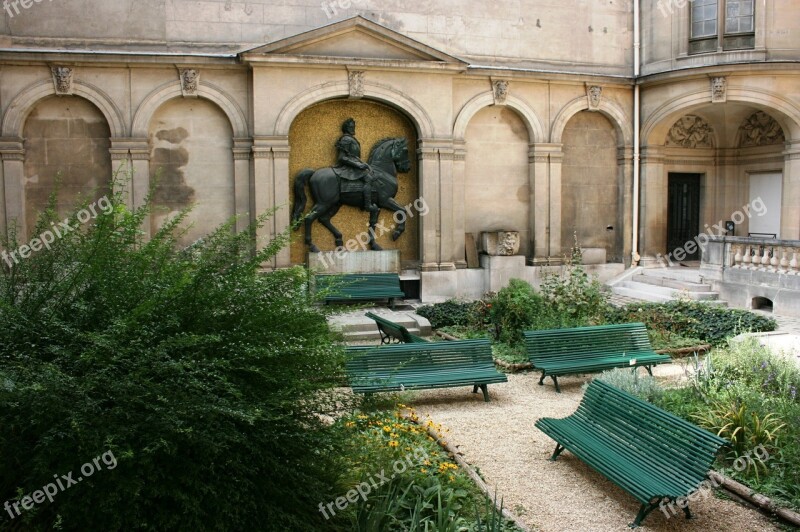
x: 683, y: 215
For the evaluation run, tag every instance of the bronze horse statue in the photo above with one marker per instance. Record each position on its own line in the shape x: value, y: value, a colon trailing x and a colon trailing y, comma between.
x: 387, y: 158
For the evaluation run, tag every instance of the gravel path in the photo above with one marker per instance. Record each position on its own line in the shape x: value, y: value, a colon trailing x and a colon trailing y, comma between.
x: 500, y: 440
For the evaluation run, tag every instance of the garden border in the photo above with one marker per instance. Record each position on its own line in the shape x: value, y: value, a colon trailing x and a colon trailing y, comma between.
x: 470, y: 471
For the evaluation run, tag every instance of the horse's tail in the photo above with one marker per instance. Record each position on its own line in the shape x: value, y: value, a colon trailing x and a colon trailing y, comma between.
x: 300, y: 193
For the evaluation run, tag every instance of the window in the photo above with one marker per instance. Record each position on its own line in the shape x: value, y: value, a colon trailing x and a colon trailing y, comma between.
x: 739, y: 16
x: 725, y: 24
x: 704, y: 18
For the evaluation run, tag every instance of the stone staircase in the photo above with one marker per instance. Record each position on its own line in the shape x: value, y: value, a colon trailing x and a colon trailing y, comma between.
x: 664, y: 284
x: 358, y: 328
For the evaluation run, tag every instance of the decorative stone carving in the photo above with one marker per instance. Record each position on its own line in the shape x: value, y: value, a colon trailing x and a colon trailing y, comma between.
x: 760, y: 129
x: 501, y: 243
x: 719, y: 90
x: 356, y: 82
x: 691, y: 131
x: 500, y: 91
x: 594, y: 94
x: 190, y: 80
x: 62, y: 78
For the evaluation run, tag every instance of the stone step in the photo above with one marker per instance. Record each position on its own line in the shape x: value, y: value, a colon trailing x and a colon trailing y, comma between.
x: 653, y: 292
x: 678, y: 273
x: 357, y: 336
x: 671, y: 283
x: 638, y: 294
x: 355, y: 326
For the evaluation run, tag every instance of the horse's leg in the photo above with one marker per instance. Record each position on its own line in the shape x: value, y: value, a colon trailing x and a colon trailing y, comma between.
x: 398, y: 219
x: 316, y: 211
x: 373, y: 221
x: 326, y: 221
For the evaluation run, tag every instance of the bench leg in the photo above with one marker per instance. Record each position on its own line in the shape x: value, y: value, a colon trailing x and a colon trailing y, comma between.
x: 541, y: 381
x: 688, y: 513
x: 649, y: 370
x: 391, y: 303
x: 559, y: 449
x: 555, y: 381
x: 644, y: 511
x: 484, y: 388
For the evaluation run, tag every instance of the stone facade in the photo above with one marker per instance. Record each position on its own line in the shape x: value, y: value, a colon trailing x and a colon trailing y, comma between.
x: 523, y: 115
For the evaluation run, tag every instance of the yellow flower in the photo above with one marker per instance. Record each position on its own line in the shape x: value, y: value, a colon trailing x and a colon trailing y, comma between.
x: 423, y: 470
x: 426, y: 462
x: 393, y: 443
x: 362, y: 416
x: 387, y: 429
x: 452, y: 478
x: 349, y: 424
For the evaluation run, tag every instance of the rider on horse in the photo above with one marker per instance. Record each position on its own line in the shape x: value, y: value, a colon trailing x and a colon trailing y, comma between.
x: 349, y: 165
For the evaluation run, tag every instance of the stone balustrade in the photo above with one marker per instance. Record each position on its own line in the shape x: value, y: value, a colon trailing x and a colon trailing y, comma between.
x: 765, y: 255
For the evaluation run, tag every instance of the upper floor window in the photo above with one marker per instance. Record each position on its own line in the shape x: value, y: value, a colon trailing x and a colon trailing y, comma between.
x: 725, y: 24
x: 739, y: 16
x: 704, y: 18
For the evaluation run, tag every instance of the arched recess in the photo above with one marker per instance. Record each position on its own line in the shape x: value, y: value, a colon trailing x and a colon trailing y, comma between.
x: 340, y: 89
x: 66, y: 143
x: 208, y: 91
x: 24, y: 103
x: 610, y: 109
x: 312, y: 138
x: 787, y: 114
x: 532, y: 122
x: 192, y: 165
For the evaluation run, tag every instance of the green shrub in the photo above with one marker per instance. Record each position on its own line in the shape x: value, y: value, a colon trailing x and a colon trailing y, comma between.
x: 516, y: 308
x: 206, y: 380
x: 710, y: 323
x: 451, y: 313
x: 574, y: 299
x: 642, y: 386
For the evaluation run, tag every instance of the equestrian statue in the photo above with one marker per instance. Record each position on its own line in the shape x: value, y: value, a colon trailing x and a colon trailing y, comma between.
x: 370, y: 186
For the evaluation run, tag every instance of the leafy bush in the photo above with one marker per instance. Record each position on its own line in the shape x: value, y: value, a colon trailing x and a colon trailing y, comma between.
x: 710, y: 323
x: 206, y: 380
x: 642, y: 386
x: 516, y: 308
x: 747, y: 394
x: 574, y: 298
x: 451, y: 312
x: 513, y: 354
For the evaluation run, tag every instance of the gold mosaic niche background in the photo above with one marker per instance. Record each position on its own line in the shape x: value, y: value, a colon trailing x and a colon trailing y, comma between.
x: 312, y: 138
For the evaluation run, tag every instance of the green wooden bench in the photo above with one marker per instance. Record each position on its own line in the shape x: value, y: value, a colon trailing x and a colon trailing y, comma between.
x: 417, y: 366
x: 391, y: 331
x: 590, y: 350
x: 653, y: 455
x: 360, y: 287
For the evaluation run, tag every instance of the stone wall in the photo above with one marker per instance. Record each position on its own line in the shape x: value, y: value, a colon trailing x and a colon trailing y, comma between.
x: 66, y: 142
x: 590, y: 192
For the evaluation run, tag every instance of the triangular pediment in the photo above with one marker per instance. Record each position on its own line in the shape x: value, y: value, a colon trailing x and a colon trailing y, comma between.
x: 357, y: 38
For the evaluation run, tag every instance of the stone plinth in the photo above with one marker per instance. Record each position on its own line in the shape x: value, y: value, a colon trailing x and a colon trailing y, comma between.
x: 332, y: 262
x: 500, y: 243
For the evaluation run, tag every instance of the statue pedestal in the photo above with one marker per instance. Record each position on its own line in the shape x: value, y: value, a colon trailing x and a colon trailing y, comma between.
x: 333, y: 262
